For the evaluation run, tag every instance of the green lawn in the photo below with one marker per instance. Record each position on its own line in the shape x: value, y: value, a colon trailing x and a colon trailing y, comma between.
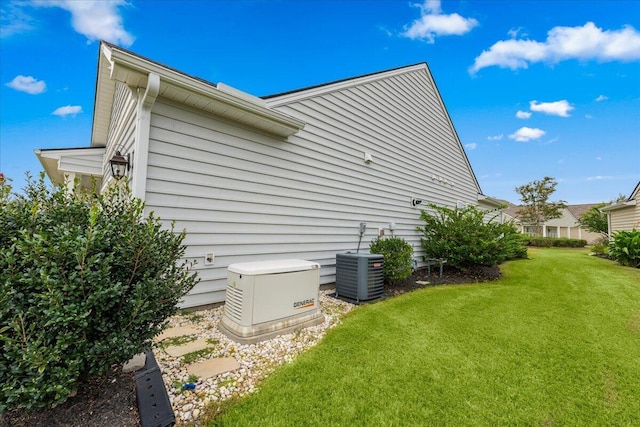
x: 555, y: 342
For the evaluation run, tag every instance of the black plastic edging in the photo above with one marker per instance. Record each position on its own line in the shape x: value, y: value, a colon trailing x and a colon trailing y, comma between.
x: 154, y: 406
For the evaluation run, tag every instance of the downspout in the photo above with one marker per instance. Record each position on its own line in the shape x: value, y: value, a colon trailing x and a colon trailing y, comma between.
x: 143, y: 127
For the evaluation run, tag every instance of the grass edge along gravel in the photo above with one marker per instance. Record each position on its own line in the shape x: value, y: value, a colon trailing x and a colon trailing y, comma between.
x: 556, y: 341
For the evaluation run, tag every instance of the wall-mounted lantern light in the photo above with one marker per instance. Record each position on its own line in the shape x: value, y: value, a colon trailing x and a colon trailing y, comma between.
x: 119, y: 165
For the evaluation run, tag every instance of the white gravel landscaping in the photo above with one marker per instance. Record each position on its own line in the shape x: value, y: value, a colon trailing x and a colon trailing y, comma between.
x: 256, y: 360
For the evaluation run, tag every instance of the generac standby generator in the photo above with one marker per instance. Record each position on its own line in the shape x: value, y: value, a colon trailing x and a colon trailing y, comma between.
x: 269, y: 298
x: 359, y: 276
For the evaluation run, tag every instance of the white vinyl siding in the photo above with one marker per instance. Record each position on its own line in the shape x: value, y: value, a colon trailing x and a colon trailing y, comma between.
x: 247, y: 196
x: 122, y: 127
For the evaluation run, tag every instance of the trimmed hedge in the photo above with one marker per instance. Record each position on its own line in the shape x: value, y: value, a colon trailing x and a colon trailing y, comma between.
x: 555, y: 242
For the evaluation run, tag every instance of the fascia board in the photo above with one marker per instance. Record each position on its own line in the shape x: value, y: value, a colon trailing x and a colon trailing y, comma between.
x: 103, y: 100
x: 617, y: 206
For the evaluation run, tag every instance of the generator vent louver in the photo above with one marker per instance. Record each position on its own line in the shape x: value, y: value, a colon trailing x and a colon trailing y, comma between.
x: 233, y: 303
x: 359, y: 276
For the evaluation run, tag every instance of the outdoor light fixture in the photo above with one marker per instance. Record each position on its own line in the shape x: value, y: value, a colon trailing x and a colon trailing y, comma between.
x: 119, y: 165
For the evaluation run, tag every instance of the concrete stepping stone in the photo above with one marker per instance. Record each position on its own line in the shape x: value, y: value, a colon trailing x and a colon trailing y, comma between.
x: 176, y: 332
x: 212, y: 367
x: 181, y: 350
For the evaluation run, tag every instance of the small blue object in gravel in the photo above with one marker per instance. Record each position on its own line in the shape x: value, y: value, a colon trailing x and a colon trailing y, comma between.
x: 189, y: 386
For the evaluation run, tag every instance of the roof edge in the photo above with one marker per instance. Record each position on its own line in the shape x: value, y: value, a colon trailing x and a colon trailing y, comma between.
x: 282, y: 98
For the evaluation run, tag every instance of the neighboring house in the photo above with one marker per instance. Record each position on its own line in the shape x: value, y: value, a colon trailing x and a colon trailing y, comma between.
x: 624, y: 215
x: 566, y: 225
x: 285, y: 176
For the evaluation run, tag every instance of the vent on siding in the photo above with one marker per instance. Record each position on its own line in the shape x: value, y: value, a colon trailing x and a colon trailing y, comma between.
x: 233, y: 303
x: 359, y: 276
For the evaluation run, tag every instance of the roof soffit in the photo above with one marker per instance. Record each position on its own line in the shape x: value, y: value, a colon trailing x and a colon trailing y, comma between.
x: 119, y: 65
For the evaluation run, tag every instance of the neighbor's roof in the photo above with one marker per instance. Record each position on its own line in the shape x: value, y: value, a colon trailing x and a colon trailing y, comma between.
x: 575, y: 210
x: 578, y: 210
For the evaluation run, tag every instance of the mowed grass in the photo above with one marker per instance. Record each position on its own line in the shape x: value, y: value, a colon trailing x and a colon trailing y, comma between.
x: 555, y: 342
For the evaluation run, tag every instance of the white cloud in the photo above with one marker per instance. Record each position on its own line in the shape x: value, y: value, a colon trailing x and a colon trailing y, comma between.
x: 471, y: 146
x: 558, y: 108
x: 495, y: 137
x: 598, y: 158
x: 601, y: 98
x: 13, y: 20
x: 433, y: 23
x: 525, y: 134
x: 95, y: 19
x: 27, y: 84
x: 523, y: 114
x: 588, y: 116
x: 514, y: 32
x: 67, y: 110
x: 599, y: 178
x: 584, y: 43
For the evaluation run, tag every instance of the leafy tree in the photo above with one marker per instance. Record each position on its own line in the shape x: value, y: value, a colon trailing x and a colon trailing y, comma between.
x: 594, y: 220
x: 536, y: 208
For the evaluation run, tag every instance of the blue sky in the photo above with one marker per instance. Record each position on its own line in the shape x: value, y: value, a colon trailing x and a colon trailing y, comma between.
x: 534, y: 89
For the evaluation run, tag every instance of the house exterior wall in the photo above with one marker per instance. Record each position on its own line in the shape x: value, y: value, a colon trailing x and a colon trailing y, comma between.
x: 248, y: 196
x: 122, y: 128
x: 626, y: 218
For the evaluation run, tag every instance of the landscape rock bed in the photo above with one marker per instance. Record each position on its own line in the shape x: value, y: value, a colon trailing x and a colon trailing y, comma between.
x: 256, y: 360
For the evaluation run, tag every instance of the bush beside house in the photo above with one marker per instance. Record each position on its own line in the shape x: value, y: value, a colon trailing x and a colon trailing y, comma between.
x: 398, y: 257
x: 462, y: 236
x: 625, y: 248
x: 86, y: 282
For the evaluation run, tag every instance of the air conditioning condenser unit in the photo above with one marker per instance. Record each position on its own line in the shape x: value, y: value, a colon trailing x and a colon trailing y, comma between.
x: 269, y: 298
x: 359, y: 276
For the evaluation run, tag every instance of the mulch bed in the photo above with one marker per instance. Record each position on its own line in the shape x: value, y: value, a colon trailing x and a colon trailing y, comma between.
x: 100, y: 402
x: 449, y: 276
x: 111, y: 400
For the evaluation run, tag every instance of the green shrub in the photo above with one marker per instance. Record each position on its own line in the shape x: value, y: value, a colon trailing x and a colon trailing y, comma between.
x: 625, y: 248
x: 465, y: 239
x: 562, y: 242
x: 86, y: 282
x: 599, y: 249
x: 398, y: 256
